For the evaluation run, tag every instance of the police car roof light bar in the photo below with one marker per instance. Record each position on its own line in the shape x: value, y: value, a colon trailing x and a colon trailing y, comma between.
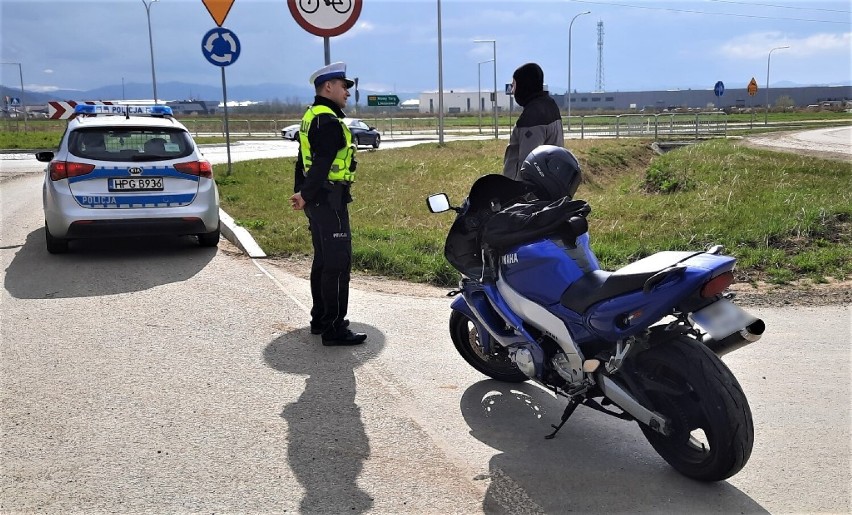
x: 126, y: 110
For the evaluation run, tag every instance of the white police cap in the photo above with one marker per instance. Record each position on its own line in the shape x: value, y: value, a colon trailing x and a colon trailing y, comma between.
x: 332, y: 71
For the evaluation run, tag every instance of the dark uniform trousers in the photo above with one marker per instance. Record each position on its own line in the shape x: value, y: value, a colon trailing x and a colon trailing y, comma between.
x: 332, y: 263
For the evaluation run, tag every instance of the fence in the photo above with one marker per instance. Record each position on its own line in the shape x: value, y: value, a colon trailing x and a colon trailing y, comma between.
x: 658, y: 126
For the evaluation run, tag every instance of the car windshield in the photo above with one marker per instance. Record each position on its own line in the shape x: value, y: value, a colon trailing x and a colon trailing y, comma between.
x: 130, y: 143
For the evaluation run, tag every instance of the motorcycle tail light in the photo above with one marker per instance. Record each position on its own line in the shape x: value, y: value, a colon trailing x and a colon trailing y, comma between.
x: 717, y: 285
x: 64, y: 169
x: 200, y: 168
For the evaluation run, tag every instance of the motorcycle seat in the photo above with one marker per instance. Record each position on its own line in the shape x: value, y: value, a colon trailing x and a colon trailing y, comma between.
x: 599, y: 285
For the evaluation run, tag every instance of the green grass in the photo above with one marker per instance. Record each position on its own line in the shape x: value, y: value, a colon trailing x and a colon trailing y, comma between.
x: 783, y: 216
x: 31, y: 140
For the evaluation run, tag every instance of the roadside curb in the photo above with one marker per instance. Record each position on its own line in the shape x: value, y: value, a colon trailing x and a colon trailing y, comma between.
x: 239, y: 236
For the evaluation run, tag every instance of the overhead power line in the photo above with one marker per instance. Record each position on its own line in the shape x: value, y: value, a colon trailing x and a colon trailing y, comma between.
x: 694, y: 11
x: 783, y: 6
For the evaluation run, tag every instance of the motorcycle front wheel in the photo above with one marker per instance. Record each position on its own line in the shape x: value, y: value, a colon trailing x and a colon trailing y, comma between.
x: 496, y: 364
x: 712, y: 429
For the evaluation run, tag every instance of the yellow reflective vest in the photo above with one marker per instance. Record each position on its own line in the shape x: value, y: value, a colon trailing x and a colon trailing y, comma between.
x: 341, y: 166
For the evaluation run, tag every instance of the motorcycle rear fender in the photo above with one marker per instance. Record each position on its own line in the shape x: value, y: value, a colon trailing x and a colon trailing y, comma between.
x: 626, y: 315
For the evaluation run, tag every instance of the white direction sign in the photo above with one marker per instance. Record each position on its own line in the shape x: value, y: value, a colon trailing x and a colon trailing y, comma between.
x: 325, y: 18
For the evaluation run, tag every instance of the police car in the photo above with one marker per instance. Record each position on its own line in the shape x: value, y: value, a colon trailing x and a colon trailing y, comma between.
x: 127, y: 171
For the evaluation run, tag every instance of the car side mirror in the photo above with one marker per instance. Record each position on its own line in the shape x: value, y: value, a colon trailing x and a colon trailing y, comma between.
x: 44, y: 157
x: 438, y: 203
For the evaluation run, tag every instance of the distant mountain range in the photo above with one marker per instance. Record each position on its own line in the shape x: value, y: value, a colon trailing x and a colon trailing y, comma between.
x: 267, y: 92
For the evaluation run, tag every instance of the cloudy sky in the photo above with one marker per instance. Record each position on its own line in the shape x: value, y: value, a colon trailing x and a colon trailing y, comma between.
x: 393, y: 45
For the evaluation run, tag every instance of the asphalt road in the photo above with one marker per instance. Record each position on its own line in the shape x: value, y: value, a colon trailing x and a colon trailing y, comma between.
x: 155, y: 376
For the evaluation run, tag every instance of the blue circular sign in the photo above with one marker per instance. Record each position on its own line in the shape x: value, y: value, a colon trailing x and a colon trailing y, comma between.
x: 719, y: 89
x: 220, y: 46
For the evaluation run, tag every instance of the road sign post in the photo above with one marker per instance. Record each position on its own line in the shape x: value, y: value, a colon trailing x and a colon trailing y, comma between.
x: 221, y: 48
x: 752, y: 91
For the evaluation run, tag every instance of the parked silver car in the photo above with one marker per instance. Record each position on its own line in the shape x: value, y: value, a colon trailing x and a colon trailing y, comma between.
x: 127, y: 170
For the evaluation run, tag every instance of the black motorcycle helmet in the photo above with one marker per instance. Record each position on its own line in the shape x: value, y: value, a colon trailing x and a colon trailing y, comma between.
x: 551, y: 172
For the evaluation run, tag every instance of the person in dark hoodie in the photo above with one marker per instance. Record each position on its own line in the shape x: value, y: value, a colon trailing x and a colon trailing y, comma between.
x: 540, y: 123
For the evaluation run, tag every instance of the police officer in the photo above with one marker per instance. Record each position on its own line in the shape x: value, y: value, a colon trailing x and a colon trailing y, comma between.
x: 325, y: 170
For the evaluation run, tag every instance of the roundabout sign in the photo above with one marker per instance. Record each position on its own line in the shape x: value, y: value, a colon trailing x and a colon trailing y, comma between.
x: 220, y: 47
x: 325, y: 18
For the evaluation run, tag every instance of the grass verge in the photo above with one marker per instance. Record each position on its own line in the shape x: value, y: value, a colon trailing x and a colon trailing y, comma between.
x: 783, y: 216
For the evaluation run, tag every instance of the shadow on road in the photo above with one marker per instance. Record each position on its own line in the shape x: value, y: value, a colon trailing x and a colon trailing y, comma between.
x: 596, y: 464
x: 99, y: 267
x: 327, y: 442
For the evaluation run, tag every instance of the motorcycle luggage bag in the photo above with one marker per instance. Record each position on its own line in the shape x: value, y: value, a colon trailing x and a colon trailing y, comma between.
x: 524, y: 222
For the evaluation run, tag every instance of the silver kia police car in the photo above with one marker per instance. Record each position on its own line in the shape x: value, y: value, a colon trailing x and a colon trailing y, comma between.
x: 127, y: 171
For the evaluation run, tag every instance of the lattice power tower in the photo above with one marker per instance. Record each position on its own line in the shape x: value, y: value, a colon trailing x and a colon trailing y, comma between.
x: 599, y: 80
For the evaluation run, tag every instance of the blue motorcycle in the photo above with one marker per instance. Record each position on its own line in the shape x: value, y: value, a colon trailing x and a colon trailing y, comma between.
x: 641, y: 343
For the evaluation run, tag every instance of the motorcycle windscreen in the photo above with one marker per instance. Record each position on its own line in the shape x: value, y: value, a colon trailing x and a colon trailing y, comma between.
x: 494, y: 192
x: 488, y: 195
x: 463, y: 250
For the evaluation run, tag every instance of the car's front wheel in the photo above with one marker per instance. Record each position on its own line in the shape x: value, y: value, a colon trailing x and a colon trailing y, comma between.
x: 376, y: 142
x: 209, y: 239
x: 54, y: 245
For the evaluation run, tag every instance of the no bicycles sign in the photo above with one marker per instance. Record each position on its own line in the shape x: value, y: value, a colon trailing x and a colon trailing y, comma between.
x: 325, y: 18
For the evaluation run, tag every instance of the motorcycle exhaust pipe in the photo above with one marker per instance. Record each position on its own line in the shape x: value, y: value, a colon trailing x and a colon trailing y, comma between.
x: 749, y: 334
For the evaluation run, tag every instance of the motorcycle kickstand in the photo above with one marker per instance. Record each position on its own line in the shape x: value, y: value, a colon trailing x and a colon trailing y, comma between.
x: 569, y: 410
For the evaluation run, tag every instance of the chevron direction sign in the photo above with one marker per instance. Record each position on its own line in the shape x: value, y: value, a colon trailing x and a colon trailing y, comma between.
x: 65, y: 110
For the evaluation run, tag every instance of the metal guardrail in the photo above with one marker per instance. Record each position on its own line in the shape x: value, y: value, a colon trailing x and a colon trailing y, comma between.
x: 656, y: 126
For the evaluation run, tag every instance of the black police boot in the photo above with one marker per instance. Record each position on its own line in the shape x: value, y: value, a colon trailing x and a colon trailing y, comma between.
x: 316, y: 328
x: 342, y: 336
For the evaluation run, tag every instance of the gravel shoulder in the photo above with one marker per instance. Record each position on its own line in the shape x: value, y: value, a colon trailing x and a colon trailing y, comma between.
x: 833, y: 143
x: 804, y: 293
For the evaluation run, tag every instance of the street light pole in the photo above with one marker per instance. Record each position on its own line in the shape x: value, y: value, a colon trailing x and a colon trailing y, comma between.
x: 494, y: 102
x: 768, y: 59
x: 23, y: 102
x: 148, y: 5
x: 479, y: 91
x: 440, y: 81
x: 571, y: 26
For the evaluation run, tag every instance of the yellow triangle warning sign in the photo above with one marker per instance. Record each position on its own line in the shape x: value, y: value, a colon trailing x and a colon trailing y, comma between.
x: 218, y: 9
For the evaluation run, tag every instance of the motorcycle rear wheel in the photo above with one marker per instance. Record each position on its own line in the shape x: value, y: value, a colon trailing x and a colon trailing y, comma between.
x: 713, y: 432
x: 496, y: 364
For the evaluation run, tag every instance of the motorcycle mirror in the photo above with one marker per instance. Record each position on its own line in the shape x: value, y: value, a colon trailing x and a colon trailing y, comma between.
x: 438, y: 203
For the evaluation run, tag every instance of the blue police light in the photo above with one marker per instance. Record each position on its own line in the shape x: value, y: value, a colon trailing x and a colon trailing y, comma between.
x: 161, y: 110
x: 85, y: 109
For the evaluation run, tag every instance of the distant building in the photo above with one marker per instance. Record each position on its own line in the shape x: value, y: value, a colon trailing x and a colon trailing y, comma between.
x: 622, y: 101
